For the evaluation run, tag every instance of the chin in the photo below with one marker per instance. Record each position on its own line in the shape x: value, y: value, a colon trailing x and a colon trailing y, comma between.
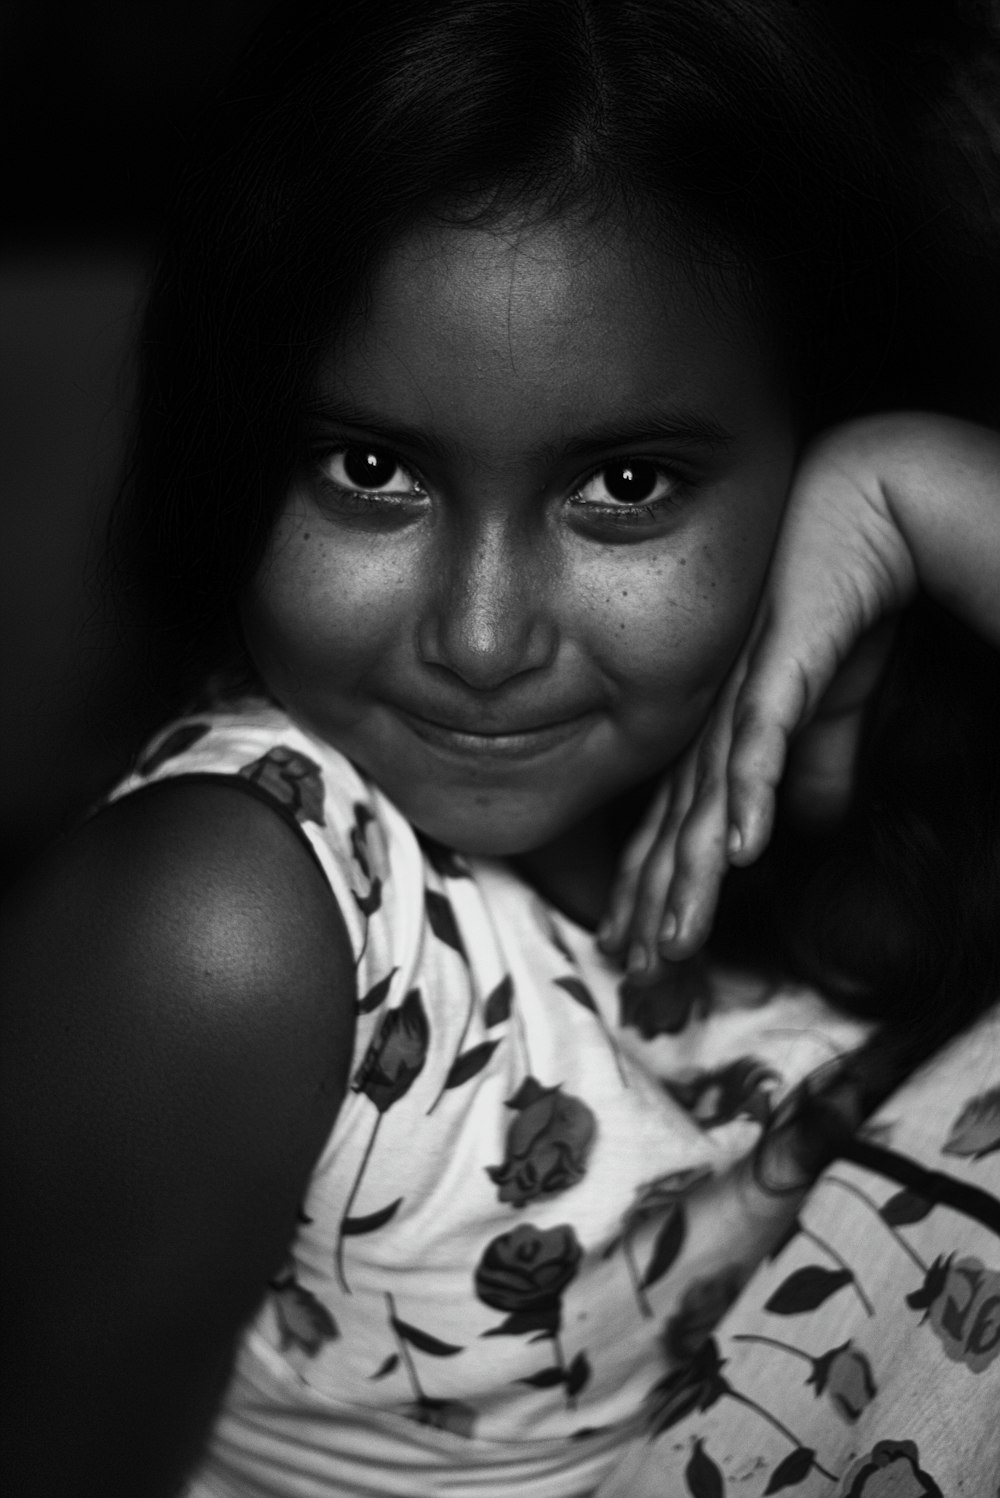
x: 497, y: 832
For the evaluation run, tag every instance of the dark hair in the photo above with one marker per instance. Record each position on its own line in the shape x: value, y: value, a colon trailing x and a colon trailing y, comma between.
x: 775, y: 140
x: 743, y: 125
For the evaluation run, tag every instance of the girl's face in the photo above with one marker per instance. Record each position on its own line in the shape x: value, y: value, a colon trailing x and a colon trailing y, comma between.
x: 545, y: 482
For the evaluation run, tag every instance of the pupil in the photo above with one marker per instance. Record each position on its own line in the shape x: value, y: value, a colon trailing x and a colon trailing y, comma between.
x: 631, y: 482
x: 368, y: 469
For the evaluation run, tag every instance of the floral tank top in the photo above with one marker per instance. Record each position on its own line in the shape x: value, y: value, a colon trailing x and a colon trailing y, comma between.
x: 533, y: 1165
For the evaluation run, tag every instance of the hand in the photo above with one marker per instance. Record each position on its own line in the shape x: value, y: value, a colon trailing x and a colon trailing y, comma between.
x: 841, y: 572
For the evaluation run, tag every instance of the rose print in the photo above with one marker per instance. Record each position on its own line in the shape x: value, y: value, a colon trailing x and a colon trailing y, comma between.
x: 391, y: 1065
x: 396, y: 1056
x: 524, y: 1272
x: 965, y: 1314
x: 697, y: 1385
x: 292, y: 779
x: 547, y: 1144
x: 890, y: 1470
x: 845, y: 1374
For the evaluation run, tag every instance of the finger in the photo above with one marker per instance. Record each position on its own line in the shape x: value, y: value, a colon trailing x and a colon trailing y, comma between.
x: 771, y: 704
x: 615, y: 927
x: 700, y: 854
x: 656, y: 876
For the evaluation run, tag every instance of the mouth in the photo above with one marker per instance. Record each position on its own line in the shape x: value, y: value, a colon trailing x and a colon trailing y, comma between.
x: 508, y: 743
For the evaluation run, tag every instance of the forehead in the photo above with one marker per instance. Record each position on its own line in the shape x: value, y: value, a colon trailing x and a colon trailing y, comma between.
x: 533, y: 329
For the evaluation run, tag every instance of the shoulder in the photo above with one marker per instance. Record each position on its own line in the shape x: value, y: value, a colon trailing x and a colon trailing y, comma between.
x: 178, y: 1012
x: 182, y: 949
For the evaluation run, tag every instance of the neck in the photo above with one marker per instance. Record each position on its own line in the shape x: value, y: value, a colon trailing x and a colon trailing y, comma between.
x: 576, y: 870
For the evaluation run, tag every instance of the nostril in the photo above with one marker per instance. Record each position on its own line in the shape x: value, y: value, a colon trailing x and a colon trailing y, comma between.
x: 489, y: 627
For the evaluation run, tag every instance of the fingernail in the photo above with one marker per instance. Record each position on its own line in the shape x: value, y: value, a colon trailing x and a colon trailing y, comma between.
x: 669, y: 928
x: 638, y: 959
x: 734, y: 843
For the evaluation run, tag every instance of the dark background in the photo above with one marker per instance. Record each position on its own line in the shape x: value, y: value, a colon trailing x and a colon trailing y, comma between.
x: 98, y: 100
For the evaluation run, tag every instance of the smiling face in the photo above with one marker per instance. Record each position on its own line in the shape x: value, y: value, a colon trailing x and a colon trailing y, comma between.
x: 545, y: 483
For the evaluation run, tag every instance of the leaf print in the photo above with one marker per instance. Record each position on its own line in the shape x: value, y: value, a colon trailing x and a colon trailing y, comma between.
x: 175, y: 743
x: 935, y: 1280
x: 384, y: 1369
x: 547, y: 1146
x: 377, y: 994
x: 372, y: 901
x: 498, y: 1003
x: 661, y: 1194
x: 444, y: 1414
x: 695, y: 1386
x: 423, y: 1341
x: 396, y: 1055
x: 579, y: 991
x: 353, y: 1226
x: 794, y: 1469
x: 547, y: 921
x: 806, y: 1289
x: 905, y: 1207
x: 359, y: 847
x: 444, y: 861
x: 547, y: 1378
x: 442, y: 920
x: 470, y: 1063
x: 669, y: 1242
x: 578, y: 1374
x: 976, y: 1130
x: 666, y: 1005
x: 292, y: 779
x: 303, y: 1321
x: 704, y: 1479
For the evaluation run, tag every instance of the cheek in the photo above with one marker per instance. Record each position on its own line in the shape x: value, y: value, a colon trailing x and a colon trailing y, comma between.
x: 673, y: 621
x: 311, y: 613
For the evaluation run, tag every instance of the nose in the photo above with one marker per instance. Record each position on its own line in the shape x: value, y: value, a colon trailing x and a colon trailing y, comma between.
x: 489, y: 614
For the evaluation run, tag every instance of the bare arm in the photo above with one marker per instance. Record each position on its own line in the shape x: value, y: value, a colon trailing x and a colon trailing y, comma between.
x: 939, y: 479
x: 178, y: 997
x: 879, y: 507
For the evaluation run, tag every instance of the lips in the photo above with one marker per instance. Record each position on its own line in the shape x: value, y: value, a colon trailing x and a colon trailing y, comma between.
x: 520, y: 739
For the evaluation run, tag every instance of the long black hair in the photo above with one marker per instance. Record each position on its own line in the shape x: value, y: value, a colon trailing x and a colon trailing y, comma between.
x: 788, y: 148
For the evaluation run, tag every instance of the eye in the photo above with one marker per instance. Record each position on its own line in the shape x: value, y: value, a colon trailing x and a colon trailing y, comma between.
x: 634, y: 483
x: 361, y: 469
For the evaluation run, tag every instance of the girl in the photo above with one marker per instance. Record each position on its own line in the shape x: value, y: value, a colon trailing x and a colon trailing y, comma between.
x: 476, y: 372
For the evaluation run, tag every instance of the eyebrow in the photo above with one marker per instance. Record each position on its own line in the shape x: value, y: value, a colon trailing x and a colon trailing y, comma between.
x: 678, y: 425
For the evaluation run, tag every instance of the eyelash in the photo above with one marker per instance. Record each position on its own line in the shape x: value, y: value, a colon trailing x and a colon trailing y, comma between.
x: 368, y: 501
